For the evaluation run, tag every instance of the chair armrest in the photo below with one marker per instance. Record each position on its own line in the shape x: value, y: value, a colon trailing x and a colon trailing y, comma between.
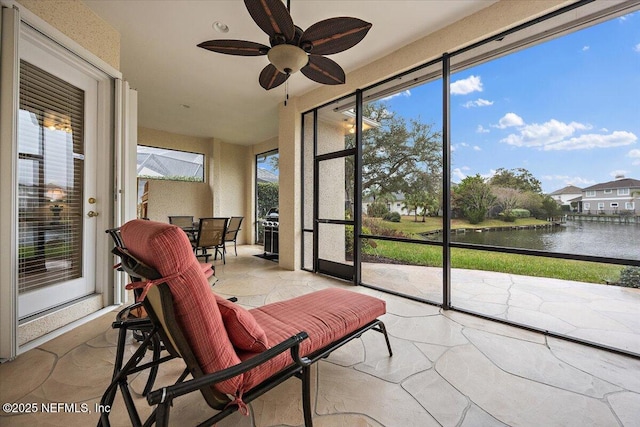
x: 124, y: 321
x: 171, y: 392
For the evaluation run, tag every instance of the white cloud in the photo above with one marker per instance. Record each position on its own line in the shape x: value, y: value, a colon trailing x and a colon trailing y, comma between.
x: 488, y: 174
x: 508, y: 120
x: 636, y: 48
x: 634, y: 154
x: 457, y: 173
x: 477, y: 103
x: 454, y: 147
x: 406, y: 93
x: 589, y: 141
x: 626, y: 17
x: 585, y: 48
x: 465, y: 86
x: 481, y: 129
x: 477, y: 148
x: 618, y: 172
x: 557, y: 135
x: 570, y: 180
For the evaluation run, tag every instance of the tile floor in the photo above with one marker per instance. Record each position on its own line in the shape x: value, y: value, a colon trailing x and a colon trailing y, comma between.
x: 448, y: 369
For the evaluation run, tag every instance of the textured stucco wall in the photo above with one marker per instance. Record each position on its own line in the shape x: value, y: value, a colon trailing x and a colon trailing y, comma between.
x: 230, y: 168
x: 230, y: 178
x: 158, y: 138
x: 178, y: 198
x: 290, y: 231
x: 74, y: 19
x: 331, y: 197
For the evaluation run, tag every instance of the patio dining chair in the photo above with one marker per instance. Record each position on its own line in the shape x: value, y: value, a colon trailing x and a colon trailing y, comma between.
x: 233, y: 355
x: 211, y: 234
x: 182, y: 221
x: 185, y: 222
x: 232, y: 232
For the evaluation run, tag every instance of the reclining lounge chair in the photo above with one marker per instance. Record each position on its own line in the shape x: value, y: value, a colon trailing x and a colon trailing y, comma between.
x: 234, y: 355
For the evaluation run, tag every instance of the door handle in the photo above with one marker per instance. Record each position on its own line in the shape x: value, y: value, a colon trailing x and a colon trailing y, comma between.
x: 91, y: 214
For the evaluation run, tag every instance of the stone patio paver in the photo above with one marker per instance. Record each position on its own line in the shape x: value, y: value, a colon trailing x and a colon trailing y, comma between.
x: 449, y: 368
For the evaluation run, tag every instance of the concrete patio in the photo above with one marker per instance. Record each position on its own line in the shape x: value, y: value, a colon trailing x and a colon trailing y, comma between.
x: 607, y: 315
x: 448, y: 368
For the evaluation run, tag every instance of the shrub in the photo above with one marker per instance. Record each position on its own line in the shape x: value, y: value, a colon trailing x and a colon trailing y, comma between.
x: 377, y: 209
x: 630, y: 277
x: 507, y: 216
x: 349, y: 240
x: 392, y: 216
x: 520, y: 213
x: 377, y: 228
x: 475, y: 216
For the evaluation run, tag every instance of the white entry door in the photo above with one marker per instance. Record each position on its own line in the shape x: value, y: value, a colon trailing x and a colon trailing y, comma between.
x: 57, y: 146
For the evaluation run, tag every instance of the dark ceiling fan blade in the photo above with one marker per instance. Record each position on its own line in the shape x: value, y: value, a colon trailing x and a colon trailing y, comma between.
x: 272, y: 17
x: 334, y: 35
x: 235, y: 47
x: 324, y: 70
x: 270, y: 77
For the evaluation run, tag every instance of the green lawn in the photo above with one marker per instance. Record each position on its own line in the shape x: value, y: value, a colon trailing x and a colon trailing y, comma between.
x: 526, y: 265
x: 410, y: 227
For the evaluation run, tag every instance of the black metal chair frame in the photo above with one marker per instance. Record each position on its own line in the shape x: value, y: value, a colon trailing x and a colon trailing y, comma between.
x: 232, y: 238
x: 141, y: 327
x: 163, y: 397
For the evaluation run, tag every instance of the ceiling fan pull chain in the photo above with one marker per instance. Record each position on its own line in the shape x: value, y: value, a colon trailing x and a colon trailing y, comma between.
x: 286, y: 92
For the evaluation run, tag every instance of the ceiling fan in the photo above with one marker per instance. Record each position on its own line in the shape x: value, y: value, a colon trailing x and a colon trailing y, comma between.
x: 293, y: 49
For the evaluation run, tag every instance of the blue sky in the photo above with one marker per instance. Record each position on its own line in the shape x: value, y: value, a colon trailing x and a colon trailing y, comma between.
x: 568, y: 110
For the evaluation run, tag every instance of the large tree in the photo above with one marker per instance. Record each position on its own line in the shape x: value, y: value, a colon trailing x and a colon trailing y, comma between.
x: 507, y: 199
x: 473, y: 197
x: 399, y: 155
x: 519, y: 179
x: 414, y: 201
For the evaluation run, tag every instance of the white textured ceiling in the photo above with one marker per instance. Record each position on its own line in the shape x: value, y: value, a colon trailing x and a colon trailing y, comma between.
x: 160, y: 59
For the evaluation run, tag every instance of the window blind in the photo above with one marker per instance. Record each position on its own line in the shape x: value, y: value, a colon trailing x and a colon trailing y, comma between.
x: 50, y: 179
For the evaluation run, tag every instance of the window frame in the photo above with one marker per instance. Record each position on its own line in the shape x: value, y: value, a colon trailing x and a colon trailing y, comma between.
x: 148, y: 177
x: 590, y: 193
x: 623, y: 191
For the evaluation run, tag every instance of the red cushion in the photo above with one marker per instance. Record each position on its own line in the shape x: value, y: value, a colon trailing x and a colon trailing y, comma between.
x: 207, y: 268
x: 166, y: 248
x: 243, y: 330
x: 325, y: 316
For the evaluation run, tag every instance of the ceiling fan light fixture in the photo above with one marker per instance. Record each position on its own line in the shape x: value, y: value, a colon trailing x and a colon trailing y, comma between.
x: 287, y: 58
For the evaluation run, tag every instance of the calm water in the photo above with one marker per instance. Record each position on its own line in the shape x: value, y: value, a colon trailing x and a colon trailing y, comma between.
x: 575, y: 237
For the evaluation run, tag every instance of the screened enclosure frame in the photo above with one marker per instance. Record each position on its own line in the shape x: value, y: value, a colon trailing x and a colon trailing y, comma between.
x: 387, y: 87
